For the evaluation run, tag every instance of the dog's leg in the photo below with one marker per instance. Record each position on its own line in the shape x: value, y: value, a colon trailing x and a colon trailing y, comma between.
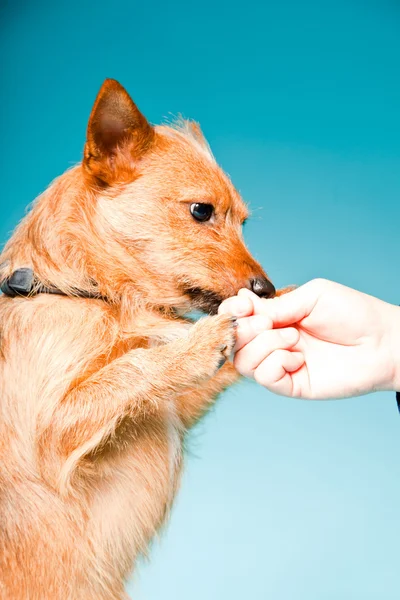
x: 194, y: 402
x: 135, y: 385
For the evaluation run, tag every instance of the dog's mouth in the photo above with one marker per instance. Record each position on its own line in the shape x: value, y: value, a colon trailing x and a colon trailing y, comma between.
x: 204, y: 300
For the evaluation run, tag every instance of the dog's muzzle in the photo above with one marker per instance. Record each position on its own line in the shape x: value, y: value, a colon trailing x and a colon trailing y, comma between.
x: 204, y: 300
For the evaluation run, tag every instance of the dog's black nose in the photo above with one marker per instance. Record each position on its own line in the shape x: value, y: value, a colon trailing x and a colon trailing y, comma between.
x: 262, y: 287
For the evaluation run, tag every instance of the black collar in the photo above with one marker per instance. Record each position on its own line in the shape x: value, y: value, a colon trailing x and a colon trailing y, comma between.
x: 24, y: 283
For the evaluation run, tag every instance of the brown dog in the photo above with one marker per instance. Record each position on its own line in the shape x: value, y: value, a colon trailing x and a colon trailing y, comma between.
x: 101, y: 379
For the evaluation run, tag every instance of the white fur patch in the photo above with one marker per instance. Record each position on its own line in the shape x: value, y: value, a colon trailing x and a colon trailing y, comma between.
x: 181, y: 128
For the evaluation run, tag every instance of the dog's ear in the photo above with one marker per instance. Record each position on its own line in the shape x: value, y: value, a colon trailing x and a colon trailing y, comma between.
x: 117, y: 135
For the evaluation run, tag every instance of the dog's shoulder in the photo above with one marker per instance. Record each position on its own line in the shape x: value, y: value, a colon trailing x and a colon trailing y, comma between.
x: 49, y: 329
x: 49, y: 343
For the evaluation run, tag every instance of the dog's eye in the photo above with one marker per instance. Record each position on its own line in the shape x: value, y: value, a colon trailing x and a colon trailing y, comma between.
x: 201, y: 212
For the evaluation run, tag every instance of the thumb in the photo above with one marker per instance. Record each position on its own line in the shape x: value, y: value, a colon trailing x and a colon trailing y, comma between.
x: 291, y: 307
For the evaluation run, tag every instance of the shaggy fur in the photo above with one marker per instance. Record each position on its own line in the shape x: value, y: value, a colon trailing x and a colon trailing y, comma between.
x: 96, y: 395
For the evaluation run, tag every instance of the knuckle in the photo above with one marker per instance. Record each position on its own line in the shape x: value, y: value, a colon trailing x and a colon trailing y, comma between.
x: 319, y: 283
x: 262, y: 376
x: 278, y: 356
x: 288, y: 336
x: 274, y: 339
x: 241, y: 363
x: 223, y: 307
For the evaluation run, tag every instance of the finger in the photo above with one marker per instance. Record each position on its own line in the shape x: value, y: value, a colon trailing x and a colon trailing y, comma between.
x: 258, y: 303
x: 275, y: 371
x: 239, y: 307
x: 291, y: 307
x: 249, y: 327
x: 249, y: 357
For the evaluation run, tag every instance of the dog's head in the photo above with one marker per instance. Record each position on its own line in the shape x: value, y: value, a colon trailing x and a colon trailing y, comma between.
x: 166, y: 209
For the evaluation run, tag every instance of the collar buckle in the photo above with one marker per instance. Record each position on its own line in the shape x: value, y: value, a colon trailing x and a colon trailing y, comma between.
x: 20, y: 283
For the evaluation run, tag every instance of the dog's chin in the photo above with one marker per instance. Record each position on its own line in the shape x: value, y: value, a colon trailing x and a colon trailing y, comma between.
x: 204, y: 300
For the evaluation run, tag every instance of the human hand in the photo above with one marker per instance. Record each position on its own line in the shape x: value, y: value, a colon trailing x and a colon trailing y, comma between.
x: 322, y: 340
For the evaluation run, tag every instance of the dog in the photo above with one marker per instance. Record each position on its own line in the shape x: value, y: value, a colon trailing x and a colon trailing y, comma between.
x: 102, y: 374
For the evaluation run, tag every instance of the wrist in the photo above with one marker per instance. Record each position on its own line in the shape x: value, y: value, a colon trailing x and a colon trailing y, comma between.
x: 393, y: 337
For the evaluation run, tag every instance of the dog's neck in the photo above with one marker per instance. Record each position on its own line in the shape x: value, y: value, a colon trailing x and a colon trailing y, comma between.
x: 58, y: 242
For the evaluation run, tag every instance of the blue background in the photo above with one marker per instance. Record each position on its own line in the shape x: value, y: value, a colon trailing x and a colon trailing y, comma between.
x: 300, y: 101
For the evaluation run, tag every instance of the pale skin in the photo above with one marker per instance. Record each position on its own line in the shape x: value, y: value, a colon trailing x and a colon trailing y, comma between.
x: 320, y: 341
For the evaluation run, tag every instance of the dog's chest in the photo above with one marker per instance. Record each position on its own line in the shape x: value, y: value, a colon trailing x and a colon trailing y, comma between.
x: 136, y: 484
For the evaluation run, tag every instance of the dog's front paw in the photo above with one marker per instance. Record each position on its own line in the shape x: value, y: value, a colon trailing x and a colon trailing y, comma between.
x: 211, y: 341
